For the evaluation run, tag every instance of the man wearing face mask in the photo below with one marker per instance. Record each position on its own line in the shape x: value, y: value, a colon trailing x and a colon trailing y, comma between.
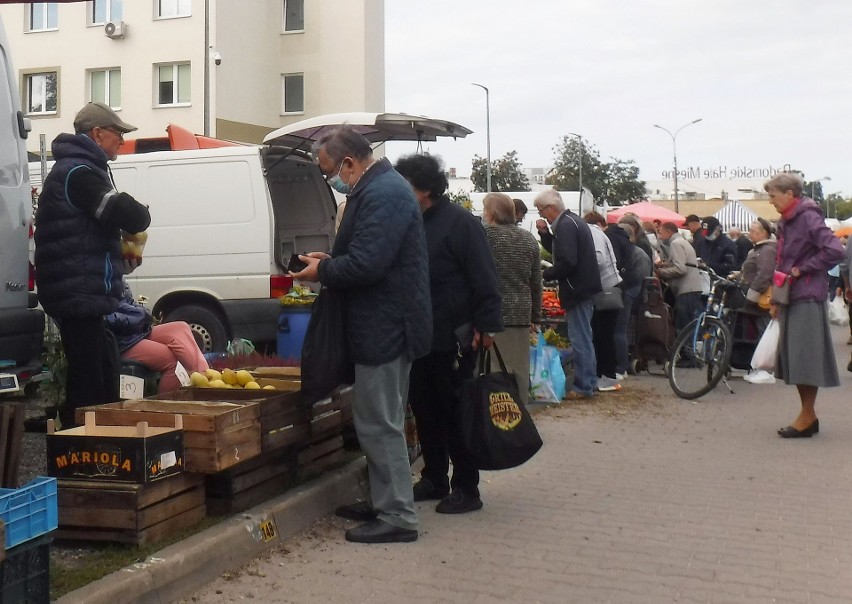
x: 716, y: 249
x: 380, y: 264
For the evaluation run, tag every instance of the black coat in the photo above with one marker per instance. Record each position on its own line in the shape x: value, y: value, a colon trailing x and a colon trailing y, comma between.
x: 462, y: 274
x: 78, y: 259
x: 720, y: 254
x: 575, y: 265
x: 379, y: 261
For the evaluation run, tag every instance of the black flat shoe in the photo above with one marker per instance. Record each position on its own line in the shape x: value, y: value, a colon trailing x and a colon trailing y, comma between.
x: 379, y: 531
x: 360, y: 511
x: 791, y: 432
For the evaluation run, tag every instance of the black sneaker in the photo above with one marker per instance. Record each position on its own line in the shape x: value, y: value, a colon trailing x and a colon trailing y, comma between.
x: 361, y: 511
x: 459, y: 502
x: 425, y: 489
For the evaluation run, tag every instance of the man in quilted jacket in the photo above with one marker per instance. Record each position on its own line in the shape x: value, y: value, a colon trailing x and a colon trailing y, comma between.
x: 379, y: 263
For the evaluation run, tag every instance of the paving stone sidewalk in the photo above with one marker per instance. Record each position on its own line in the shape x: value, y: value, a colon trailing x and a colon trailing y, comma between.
x: 640, y: 497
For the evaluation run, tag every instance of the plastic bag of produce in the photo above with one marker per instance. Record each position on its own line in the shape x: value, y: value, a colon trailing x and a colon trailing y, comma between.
x: 547, y: 378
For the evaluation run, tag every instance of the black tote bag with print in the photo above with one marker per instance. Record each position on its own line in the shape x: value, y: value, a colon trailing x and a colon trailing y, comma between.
x: 496, y: 427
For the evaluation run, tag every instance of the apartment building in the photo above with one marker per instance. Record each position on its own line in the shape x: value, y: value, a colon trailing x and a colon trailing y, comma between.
x: 233, y: 69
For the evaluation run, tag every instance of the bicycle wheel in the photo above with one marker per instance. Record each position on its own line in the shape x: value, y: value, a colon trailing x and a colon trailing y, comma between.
x: 700, y: 357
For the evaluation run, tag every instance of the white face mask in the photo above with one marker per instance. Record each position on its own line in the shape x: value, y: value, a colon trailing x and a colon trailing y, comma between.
x: 336, y: 183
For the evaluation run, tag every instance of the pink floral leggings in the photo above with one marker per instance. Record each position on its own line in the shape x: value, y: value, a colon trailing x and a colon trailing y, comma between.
x: 167, y: 344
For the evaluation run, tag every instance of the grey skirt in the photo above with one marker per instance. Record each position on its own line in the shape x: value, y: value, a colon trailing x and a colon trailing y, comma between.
x: 805, y: 351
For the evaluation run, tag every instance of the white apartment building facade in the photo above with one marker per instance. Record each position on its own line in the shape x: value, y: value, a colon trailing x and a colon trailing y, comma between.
x: 232, y: 69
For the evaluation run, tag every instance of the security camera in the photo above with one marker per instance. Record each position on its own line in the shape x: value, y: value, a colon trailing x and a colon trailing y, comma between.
x: 217, y: 58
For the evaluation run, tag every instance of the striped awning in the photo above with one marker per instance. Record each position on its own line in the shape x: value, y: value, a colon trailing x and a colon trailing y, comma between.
x: 735, y: 214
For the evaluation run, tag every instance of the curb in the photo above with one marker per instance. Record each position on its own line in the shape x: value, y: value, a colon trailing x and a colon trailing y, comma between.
x: 185, y: 567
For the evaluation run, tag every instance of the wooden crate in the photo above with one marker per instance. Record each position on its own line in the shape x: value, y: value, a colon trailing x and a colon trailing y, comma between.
x: 11, y: 431
x: 346, y: 396
x: 217, y: 434
x: 283, y: 421
x: 319, y: 455
x: 129, y: 513
x: 325, y: 418
x: 115, y: 453
x: 251, y: 482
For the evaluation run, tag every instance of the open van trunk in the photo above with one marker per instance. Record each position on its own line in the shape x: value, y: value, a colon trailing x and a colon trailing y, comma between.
x: 303, y: 206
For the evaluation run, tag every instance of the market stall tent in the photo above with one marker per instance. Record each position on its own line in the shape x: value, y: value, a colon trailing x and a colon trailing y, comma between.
x: 647, y: 212
x: 735, y: 214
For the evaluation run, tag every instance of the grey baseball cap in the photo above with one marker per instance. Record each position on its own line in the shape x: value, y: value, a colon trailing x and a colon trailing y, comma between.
x: 98, y: 115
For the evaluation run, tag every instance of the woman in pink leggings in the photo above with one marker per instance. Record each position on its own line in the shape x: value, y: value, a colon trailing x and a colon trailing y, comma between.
x: 158, y: 347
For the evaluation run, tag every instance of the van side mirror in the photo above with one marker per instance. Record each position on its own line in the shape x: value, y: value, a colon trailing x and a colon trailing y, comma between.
x: 24, y: 125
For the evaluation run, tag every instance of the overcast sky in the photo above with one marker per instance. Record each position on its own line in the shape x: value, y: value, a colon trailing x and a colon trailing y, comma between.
x: 770, y: 79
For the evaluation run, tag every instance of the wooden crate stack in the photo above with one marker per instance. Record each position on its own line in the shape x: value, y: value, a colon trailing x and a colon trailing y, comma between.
x: 123, y: 484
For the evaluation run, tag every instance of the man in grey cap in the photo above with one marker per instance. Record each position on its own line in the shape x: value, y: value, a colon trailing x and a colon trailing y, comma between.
x: 79, y: 265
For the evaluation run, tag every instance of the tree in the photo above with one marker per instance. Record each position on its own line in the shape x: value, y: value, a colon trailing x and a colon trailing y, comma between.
x: 814, y: 191
x: 837, y: 207
x: 616, y: 182
x: 506, y: 174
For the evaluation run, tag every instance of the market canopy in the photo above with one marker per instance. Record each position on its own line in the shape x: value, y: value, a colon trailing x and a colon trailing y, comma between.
x: 646, y: 212
x: 735, y: 214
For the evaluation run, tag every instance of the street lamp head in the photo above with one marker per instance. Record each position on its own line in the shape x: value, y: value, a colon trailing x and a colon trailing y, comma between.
x: 696, y: 121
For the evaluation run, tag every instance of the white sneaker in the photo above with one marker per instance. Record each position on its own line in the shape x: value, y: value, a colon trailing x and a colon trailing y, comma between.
x: 619, y: 377
x: 607, y: 384
x: 761, y: 376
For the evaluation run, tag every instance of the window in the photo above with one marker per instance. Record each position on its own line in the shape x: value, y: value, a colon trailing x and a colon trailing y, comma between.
x: 44, y: 15
x: 173, y: 84
x: 174, y: 8
x: 41, y: 93
x: 294, y: 15
x: 105, y: 87
x: 103, y: 11
x: 293, y: 92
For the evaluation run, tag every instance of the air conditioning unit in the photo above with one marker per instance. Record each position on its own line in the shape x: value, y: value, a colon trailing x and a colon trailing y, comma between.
x: 115, y: 29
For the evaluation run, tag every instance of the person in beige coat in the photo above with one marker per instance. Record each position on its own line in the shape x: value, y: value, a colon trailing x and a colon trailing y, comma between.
x: 680, y: 272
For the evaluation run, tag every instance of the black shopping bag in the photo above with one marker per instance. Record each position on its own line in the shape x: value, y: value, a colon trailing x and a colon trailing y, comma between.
x: 496, y: 428
x: 325, y: 357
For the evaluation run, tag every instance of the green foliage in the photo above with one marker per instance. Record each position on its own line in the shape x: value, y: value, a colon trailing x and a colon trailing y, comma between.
x: 54, y: 360
x: 616, y: 182
x: 461, y: 198
x: 506, y: 174
x: 838, y: 207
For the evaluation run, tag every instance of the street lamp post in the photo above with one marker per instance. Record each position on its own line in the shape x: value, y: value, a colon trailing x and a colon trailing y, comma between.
x: 487, y: 137
x: 674, y: 150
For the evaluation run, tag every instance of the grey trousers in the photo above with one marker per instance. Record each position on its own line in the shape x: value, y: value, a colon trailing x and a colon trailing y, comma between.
x: 514, y: 345
x: 378, y: 412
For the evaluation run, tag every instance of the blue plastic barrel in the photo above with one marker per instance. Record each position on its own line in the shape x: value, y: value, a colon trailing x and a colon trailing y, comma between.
x: 292, y: 325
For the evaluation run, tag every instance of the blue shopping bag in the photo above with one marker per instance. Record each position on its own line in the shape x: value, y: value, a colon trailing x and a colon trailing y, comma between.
x: 547, y: 378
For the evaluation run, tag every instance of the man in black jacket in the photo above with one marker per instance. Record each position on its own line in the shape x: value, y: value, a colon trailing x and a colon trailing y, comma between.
x: 79, y: 265
x: 716, y: 250
x: 575, y: 268
x: 465, y: 304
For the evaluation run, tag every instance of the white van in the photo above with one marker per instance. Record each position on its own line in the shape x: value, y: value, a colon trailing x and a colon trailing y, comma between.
x: 225, y: 219
x: 224, y: 222
x: 21, y: 327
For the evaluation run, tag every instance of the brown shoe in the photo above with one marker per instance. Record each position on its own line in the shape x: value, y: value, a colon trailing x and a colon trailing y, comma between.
x: 577, y: 396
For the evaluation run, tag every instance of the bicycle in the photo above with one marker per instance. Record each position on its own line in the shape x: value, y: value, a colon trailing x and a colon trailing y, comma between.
x: 701, y: 355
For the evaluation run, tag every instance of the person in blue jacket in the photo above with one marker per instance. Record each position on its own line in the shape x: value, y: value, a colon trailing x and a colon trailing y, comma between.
x: 78, y: 260
x: 380, y: 265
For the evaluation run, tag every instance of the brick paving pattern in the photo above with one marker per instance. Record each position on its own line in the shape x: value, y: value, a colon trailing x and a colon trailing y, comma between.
x: 650, y: 499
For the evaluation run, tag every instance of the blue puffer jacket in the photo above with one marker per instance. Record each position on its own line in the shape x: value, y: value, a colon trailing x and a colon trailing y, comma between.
x: 380, y: 262
x: 78, y: 257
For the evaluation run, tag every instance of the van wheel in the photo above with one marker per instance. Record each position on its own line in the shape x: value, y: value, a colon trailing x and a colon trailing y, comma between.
x: 206, y: 325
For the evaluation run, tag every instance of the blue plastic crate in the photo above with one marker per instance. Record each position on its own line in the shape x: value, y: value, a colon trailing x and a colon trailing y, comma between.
x: 25, y: 573
x: 29, y: 511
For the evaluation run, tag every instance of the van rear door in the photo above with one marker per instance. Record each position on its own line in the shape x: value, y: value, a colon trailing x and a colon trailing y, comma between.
x: 302, y: 204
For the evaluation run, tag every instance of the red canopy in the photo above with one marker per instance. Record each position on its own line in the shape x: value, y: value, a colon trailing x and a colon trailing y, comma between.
x: 647, y: 212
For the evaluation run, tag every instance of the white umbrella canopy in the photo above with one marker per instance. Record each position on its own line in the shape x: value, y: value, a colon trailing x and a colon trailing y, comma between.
x: 376, y: 128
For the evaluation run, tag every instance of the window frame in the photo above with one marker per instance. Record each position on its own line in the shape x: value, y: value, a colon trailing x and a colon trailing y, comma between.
x: 284, y: 77
x: 158, y: 9
x: 46, y: 20
x: 28, y: 97
x: 108, y: 92
x: 284, y: 18
x: 107, y: 12
x: 176, y: 84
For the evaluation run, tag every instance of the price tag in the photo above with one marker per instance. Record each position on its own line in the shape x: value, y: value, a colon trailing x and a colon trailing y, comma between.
x: 182, y: 375
x: 131, y: 387
x: 267, y: 530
